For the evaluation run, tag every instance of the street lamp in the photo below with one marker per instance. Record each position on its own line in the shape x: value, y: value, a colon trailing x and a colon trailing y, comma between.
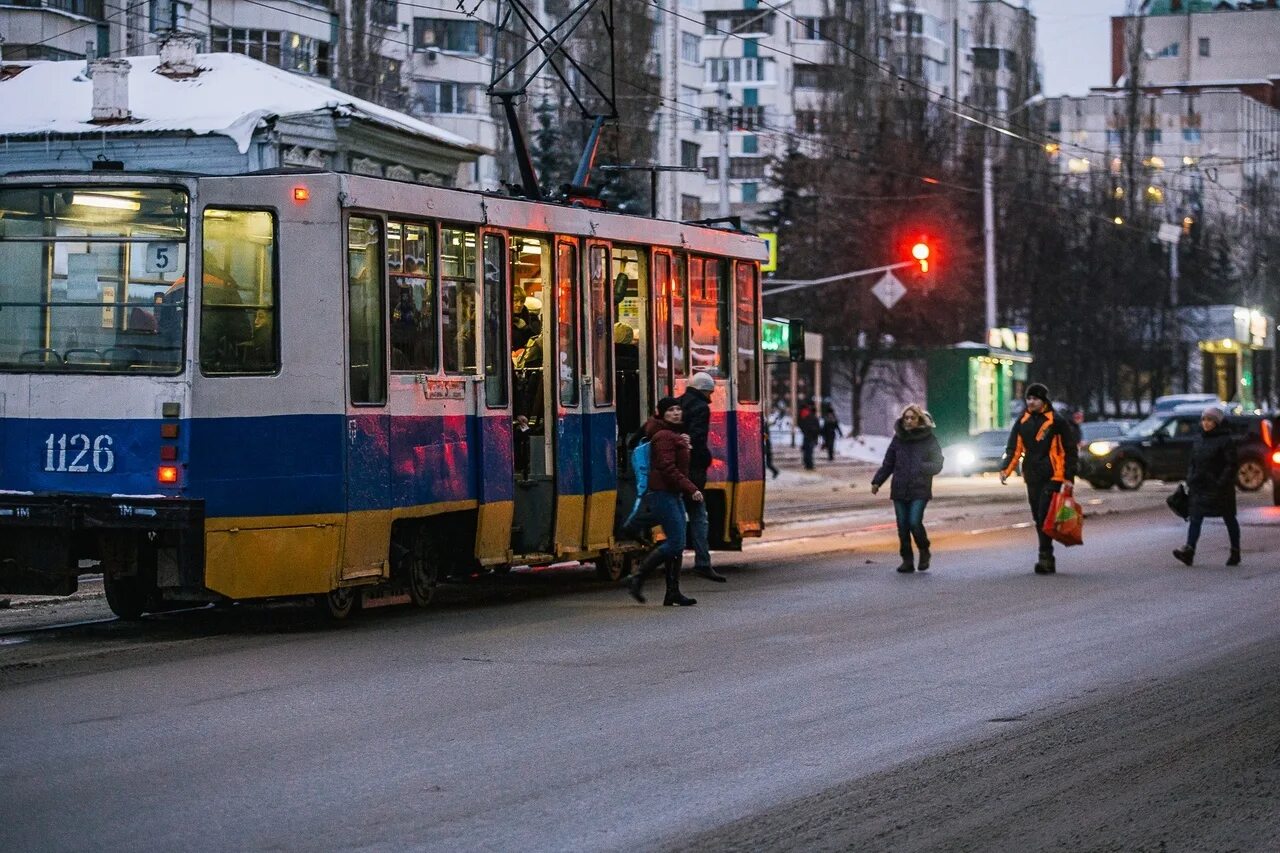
x: 989, y: 209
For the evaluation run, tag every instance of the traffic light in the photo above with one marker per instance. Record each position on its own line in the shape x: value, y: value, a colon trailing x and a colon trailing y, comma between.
x: 795, y: 339
x: 920, y: 251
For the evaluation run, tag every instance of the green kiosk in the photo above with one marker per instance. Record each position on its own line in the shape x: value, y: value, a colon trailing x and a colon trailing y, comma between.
x: 972, y: 387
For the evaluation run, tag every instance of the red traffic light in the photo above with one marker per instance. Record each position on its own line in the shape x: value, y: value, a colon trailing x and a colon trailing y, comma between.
x: 920, y: 251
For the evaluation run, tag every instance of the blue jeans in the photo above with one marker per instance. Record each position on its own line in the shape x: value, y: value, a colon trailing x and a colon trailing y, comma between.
x: 1233, y: 530
x: 699, y: 530
x: 668, y: 511
x: 910, y: 516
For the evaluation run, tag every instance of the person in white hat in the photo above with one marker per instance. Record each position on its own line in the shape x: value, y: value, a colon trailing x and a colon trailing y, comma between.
x: 695, y: 402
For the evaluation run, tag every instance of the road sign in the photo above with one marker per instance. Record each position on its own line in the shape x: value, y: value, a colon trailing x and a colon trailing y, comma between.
x: 889, y: 290
x: 1169, y: 233
x: 771, y: 238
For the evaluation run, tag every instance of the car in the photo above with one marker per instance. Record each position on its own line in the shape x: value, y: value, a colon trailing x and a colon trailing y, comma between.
x: 982, y: 453
x: 1159, y: 447
x: 1165, y: 405
x: 1092, y: 431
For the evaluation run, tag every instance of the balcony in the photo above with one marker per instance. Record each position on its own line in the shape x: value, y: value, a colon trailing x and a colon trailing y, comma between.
x: 84, y: 8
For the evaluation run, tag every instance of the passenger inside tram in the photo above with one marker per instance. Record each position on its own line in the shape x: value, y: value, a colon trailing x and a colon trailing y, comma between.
x: 530, y: 265
x: 627, y: 336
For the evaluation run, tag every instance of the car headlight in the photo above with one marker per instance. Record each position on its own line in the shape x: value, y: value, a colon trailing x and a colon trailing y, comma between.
x: 966, y: 457
x: 1102, y: 448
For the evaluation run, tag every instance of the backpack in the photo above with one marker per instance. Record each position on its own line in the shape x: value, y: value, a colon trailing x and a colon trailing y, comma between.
x: 640, y: 467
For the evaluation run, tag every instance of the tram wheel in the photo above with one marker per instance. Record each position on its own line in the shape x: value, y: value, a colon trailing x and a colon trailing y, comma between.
x: 611, y: 567
x: 338, y: 604
x: 127, y: 596
x: 423, y: 574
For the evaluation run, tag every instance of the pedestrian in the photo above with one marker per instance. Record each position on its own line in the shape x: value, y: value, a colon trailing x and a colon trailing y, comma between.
x: 810, y: 428
x: 1211, y: 485
x: 913, y: 459
x: 830, y: 429
x: 1045, y: 445
x: 695, y: 404
x: 668, y: 481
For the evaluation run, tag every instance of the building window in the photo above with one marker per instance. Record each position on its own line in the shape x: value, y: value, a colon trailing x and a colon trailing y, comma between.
x: 689, y: 153
x: 1152, y: 135
x: 751, y: 144
x: 442, y: 97
x: 457, y: 36
x: 750, y: 192
x: 1204, y: 47
x: 739, y: 21
x: 815, y: 76
x: 690, y: 48
x: 740, y: 168
x: 747, y: 69
x: 690, y: 207
x: 384, y: 13
x: 290, y: 51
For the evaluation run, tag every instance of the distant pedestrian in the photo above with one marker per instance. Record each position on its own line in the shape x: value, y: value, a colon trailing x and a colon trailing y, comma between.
x: 668, y: 481
x: 810, y: 429
x: 913, y: 459
x: 695, y: 404
x: 1046, y: 446
x: 1211, y: 485
x: 830, y: 430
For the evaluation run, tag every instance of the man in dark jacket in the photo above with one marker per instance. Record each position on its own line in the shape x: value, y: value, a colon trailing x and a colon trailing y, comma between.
x: 810, y: 429
x: 695, y: 403
x: 668, y: 481
x: 1211, y: 485
x: 1048, y: 452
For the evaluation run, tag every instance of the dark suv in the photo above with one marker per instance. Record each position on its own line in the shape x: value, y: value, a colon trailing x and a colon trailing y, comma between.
x: 1159, y: 447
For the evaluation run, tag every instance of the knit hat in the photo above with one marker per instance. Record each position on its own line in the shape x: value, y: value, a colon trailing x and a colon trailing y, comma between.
x: 1213, y: 413
x: 702, y: 382
x: 666, y: 403
x: 1035, y: 389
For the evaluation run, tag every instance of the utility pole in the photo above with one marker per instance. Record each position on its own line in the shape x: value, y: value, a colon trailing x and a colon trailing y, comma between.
x: 989, y: 227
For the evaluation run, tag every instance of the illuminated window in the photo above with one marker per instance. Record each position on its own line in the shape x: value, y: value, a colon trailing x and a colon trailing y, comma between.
x: 410, y: 268
x: 368, y: 376
x: 238, y: 293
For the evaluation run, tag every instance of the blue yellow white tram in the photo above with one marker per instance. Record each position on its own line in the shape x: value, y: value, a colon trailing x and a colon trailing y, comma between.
x: 316, y: 384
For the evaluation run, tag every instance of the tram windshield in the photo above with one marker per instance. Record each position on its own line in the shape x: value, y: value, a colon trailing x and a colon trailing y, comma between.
x: 91, y: 279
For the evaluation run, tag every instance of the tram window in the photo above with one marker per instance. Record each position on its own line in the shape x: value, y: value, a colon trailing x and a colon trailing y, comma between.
x: 364, y: 317
x: 530, y: 280
x: 495, y: 321
x: 706, y: 309
x: 747, y: 338
x: 238, y: 315
x: 458, y: 299
x: 567, y: 322
x: 661, y: 322
x: 602, y: 331
x: 93, y: 279
x: 680, y: 319
x: 413, y: 301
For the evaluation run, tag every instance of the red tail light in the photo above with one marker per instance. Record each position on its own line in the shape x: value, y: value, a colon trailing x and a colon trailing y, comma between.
x: 168, y: 475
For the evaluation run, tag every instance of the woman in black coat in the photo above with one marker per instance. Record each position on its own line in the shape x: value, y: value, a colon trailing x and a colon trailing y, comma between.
x: 913, y: 458
x: 1211, y: 485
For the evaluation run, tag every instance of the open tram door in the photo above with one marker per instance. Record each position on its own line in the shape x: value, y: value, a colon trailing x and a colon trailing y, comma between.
x: 491, y: 430
x: 634, y: 354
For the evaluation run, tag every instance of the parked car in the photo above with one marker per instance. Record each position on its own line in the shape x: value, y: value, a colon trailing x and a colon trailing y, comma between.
x: 1091, y: 431
x: 1159, y: 446
x: 982, y: 453
x: 1167, y: 404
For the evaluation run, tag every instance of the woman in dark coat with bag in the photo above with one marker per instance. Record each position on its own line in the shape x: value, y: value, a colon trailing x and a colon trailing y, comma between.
x: 1211, y: 485
x: 913, y: 459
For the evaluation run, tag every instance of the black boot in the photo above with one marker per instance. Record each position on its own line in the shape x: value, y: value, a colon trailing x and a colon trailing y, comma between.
x: 635, y: 581
x: 908, y: 565
x: 1186, y: 554
x: 1045, y: 565
x: 923, y: 564
x: 673, y: 597
x: 1234, y: 558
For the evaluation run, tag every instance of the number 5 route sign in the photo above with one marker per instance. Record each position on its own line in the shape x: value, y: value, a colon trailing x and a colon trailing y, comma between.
x: 771, y: 265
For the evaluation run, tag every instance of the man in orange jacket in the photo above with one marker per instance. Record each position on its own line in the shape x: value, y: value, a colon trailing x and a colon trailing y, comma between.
x: 1044, y: 444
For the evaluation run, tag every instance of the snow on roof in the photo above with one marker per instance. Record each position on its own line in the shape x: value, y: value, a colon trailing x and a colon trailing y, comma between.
x: 232, y: 96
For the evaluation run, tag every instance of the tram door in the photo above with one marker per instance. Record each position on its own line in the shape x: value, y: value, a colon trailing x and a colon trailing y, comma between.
x: 635, y: 350
x: 493, y: 422
x: 567, y: 387
x: 533, y: 408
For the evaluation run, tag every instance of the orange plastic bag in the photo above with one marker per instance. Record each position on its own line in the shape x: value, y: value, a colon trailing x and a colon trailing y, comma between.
x: 1065, y: 520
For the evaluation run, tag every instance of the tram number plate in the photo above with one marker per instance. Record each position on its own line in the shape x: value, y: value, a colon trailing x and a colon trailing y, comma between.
x: 162, y: 257
x: 79, y: 454
x: 445, y: 389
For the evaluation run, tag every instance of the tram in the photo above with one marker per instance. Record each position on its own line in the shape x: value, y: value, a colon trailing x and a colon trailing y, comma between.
x: 328, y: 385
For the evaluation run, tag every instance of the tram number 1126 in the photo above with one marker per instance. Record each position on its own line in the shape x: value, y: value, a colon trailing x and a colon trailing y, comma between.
x: 77, y: 454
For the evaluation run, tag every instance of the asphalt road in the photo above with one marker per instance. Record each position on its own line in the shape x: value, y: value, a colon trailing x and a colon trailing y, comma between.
x: 817, y: 701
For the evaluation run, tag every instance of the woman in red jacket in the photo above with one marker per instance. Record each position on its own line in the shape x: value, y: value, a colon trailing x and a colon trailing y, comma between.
x: 668, y: 483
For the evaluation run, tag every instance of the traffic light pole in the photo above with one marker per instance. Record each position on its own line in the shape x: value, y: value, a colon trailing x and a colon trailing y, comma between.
x: 798, y: 283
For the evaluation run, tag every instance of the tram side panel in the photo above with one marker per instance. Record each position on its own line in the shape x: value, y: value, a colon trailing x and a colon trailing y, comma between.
x: 269, y: 451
